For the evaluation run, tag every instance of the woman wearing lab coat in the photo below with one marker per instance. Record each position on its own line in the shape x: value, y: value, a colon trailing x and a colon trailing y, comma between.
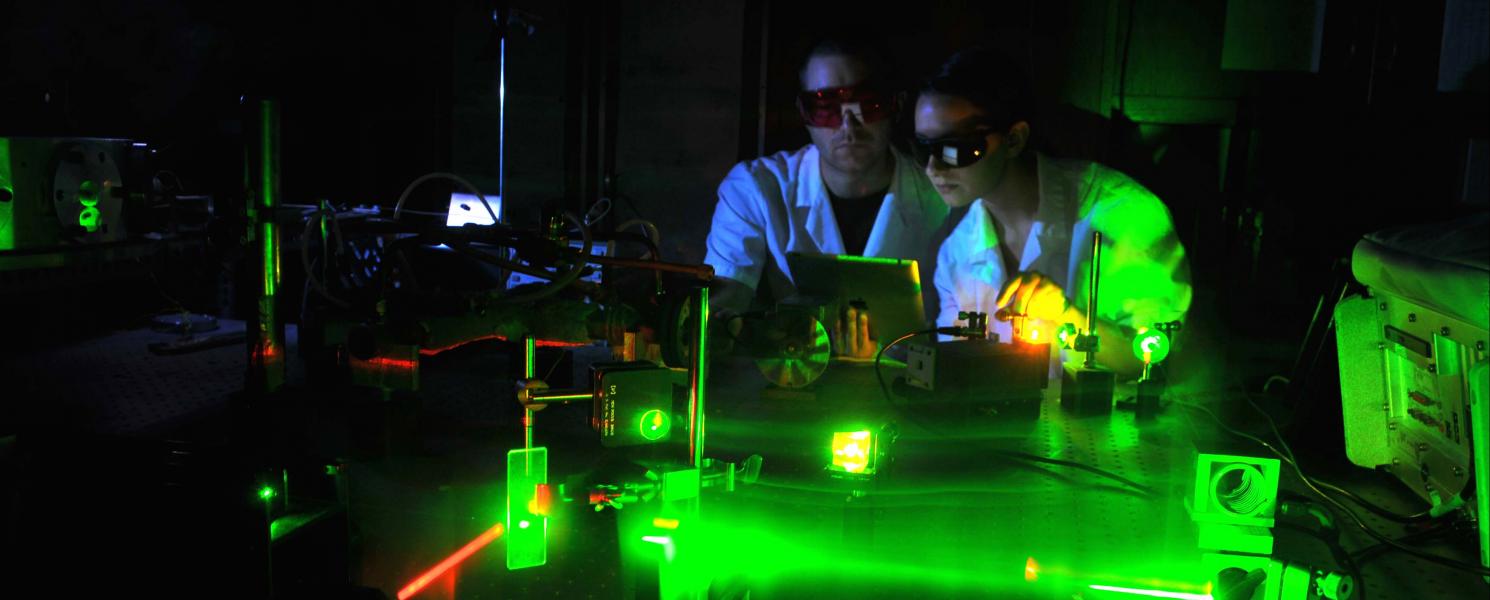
x: 1022, y: 241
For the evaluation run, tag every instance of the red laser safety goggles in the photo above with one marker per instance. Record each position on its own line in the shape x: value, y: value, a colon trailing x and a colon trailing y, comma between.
x: 825, y: 107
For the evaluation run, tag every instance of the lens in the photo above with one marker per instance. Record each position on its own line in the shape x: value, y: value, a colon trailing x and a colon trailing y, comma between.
x: 824, y: 108
x: 818, y: 112
x: 952, y: 153
x: 1238, y: 489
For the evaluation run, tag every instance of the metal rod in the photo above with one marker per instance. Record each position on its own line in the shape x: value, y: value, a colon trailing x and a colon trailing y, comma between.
x: 266, y: 353
x: 559, y: 396
x: 530, y: 368
x: 1091, y: 303
x: 701, y: 272
x: 697, y: 382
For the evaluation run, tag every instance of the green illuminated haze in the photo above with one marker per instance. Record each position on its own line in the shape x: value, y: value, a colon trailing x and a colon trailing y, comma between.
x: 1144, y: 278
x: 7, y: 188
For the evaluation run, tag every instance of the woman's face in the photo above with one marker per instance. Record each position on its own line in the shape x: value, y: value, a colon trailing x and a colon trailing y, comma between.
x: 952, y: 126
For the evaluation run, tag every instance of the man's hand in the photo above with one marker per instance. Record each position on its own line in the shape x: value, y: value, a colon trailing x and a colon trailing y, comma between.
x: 852, y: 333
x: 1034, y: 296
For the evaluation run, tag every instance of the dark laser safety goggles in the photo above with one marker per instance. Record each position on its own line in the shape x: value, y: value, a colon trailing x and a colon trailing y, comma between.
x: 955, y: 152
x: 826, y: 107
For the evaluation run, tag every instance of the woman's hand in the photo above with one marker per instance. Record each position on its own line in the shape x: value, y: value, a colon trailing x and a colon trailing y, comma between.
x: 1035, y: 296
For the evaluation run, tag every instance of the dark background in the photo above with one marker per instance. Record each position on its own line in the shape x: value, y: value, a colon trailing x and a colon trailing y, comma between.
x: 1272, y: 162
x: 1276, y: 135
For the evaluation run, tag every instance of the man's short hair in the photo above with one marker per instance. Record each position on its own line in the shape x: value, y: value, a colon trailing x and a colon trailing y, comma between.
x: 991, y: 81
x: 870, y: 51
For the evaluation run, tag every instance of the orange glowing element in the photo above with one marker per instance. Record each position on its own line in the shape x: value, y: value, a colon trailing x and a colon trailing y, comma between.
x: 1031, y: 569
x: 420, y: 582
x: 542, y: 500
x: 662, y: 523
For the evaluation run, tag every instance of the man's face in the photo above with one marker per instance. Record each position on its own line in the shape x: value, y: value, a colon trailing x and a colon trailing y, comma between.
x: 952, y: 120
x: 853, y: 146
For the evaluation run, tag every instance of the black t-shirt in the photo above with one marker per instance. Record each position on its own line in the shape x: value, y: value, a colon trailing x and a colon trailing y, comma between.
x: 856, y: 218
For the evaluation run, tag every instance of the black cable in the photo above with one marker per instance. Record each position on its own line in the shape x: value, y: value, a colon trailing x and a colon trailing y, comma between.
x: 1352, y: 496
x: 1375, y: 551
x: 1354, y: 519
x: 1329, y: 534
x: 1342, y: 558
x: 1008, y: 453
x: 1418, y: 517
x: 889, y: 398
x: 568, y: 277
x: 1076, y: 465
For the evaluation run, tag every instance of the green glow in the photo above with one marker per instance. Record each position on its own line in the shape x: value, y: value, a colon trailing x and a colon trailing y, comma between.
x: 7, y: 189
x: 1235, y: 490
x: 874, y: 260
x: 654, y: 425
x: 853, y: 452
x: 527, y: 545
x: 700, y: 372
x: 1151, y: 346
x: 565, y: 397
x: 1145, y: 278
x: 1150, y: 593
x: 88, y: 219
x: 1067, y: 335
x: 530, y: 352
x: 88, y: 193
x: 268, y: 124
x: 266, y: 493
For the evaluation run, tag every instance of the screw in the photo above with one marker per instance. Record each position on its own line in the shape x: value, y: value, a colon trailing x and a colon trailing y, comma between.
x: 1382, y: 306
x: 1443, y: 331
x: 1412, y: 317
x: 1458, y: 472
x: 1381, y: 345
x: 1422, y: 447
x: 1432, y: 368
x: 1479, y: 345
x: 1392, y: 426
x: 1386, y: 407
x: 1396, y: 462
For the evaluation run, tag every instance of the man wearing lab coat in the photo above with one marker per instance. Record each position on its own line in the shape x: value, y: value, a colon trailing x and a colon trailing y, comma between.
x: 848, y: 192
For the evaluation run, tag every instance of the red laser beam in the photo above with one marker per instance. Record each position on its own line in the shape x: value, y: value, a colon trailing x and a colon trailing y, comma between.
x: 419, y: 583
x: 538, y: 343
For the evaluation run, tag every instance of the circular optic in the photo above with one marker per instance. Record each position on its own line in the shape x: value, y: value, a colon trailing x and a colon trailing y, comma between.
x: 1237, y: 489
x: 88, y: 193
x: 654, y: 425
x: 1151, y: 346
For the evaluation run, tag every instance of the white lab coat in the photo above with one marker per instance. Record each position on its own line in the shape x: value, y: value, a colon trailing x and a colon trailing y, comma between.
x: 1144, y: 279
x: 778, y: 204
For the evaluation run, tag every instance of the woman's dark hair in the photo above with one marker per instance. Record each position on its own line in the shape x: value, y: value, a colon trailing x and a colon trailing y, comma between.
x: 990, y: 81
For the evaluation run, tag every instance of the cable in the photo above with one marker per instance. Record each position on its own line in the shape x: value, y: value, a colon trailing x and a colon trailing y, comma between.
x: 597, y: 211
x: 1354, y: 519
x: 1274, y: 379
x: 1342, y: 558
x: 648, y: 227
x: 1375, y: 551
x: 1008, y: 453
x: 569, y: 276
x: 889, y: 399
x: 404, y: 197
x: 1352, y: 496
x: 1076, y: 465
x: 305, y: 262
